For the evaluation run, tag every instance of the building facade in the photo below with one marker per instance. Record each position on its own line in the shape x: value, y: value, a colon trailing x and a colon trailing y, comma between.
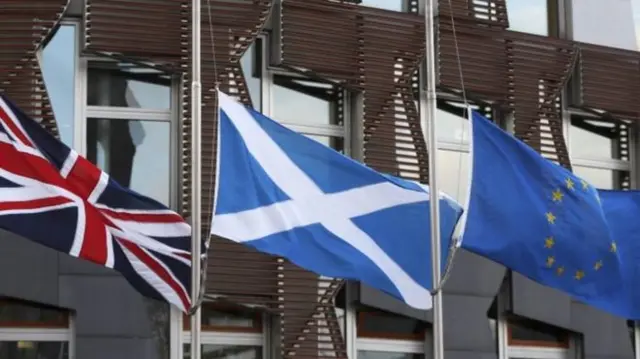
x: 111, y: 79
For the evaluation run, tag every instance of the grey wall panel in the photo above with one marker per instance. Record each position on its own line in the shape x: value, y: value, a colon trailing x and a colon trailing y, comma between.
x: 604, y: 335
x: 466, y: 325
x: 534, y: 301
x: 377, y: 299
x: 114, y: 348
x: 29, y: 271
x: 71, y: 265
x: 125, y: 313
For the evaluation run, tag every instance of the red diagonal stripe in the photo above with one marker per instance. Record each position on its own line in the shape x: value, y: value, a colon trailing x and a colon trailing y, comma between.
x: 144, y: 217
x: 84, y: 177
x: 158, y: 269
x: 36, y: 203
x: 11, y: 126
x: 26, y: 165
x: 94, y: 241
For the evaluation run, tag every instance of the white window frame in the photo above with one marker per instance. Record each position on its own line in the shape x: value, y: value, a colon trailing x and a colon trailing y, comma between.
x: 391, y: 345
x: 506, y: 351
x: 85, y: 113
x: 600, y: 163
x: 179, y: 337
x: 42, y: 335
x: 267, y: 85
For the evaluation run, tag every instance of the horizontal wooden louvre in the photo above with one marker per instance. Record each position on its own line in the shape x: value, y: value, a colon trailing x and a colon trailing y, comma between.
x: 609, y: 80
x: 24, y: 26
x: 138, y: 30
x: 539, y: 69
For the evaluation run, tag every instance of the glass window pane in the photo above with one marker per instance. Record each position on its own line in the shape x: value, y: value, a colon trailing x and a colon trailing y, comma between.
x: 618, y: 22
x: 251, y: 68
x: 603, y: 178
x: 530, y: 16
x: 135, y: 153
x: 452, y: 128
x: 370, y: 354
x: 395, y: 5
x: 34, y: 350
x: 19, y: 314
x: 595, y: 139
x: 211, y: 351
x: 58, y: 63
x: 302, y: 101
x: 123, y: 85
x: 453, y: 174
x: 337, y: 143
x: 529, y: 332
x: 378, y: 324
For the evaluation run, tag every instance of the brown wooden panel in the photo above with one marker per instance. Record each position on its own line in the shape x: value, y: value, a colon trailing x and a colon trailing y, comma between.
x: 609, y: 80
x: 538, y: 71
x: 24, y: 26
x: 146, y: 30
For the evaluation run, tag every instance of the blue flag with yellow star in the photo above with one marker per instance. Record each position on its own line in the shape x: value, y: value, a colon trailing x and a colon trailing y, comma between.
x: 538, y: 219
x: 622, y: 210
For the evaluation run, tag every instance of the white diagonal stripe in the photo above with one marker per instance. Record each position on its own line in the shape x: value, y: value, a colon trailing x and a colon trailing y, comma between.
x: 309, y: 204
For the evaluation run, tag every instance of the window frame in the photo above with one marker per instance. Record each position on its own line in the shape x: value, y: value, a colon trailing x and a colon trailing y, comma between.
x: 614, y: 165
x: 43, y: 333
x: 85, y: 112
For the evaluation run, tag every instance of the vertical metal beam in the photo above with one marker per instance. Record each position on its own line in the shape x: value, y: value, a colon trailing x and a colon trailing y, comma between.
x: 428, y: 125
x: 196, y: 178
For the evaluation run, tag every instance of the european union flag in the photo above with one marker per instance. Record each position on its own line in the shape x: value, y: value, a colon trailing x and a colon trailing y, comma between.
x: 286, y: 194
x: 622, y: 210
x: 539, y: 219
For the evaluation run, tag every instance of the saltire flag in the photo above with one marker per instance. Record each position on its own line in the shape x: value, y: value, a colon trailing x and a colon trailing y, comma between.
x: 540, y: 220
x: 51, y: 195
x: 288, y: 195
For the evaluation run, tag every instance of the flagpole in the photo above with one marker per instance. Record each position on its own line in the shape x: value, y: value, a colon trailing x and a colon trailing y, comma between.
x: 196, y: 178
x: 428, y: 125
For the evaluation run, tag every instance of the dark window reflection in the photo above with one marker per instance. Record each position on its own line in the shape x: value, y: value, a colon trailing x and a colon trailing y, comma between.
x: 370, y: 354
x: 123, y: 85
x: 211, y: 351
x: 252, y: 70
x: 306, y: 102
x: 19, y: 314
x: 227, y: 318
x: 378, y: 324
x: 34, y: 350
x: 529, y: 332
x: 135, y: 153
x: 58, y: 63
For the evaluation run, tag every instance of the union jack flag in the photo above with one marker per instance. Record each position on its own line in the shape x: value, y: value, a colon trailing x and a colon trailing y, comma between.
x: 51, y: 195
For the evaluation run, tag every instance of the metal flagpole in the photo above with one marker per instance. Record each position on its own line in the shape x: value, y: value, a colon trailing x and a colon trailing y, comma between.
x: 428, y: 125
x: 196, y: 178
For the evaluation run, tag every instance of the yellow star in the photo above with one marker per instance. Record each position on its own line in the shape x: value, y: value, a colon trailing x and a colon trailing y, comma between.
x: 550, y: 261
x: 557, y: 195
x: 551, y: 218
x: 585, y: 185
x: 614, y: 247
x: 598, y: 265
x: 549, y: 242
x: 560, y: 270
x: 579, y: 275
x: 569, y: 183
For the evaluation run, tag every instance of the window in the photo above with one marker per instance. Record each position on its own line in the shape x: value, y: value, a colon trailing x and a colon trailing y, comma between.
x: 58, y: 63
x: 227, y: 332
x: 384, y: 335
x: 530, y: 16
x: 618, y: 23
x: 28, y: 331
x: 600, y: 151
x: 129, y: 126
x: 522, y: 338
x: 395, y: 5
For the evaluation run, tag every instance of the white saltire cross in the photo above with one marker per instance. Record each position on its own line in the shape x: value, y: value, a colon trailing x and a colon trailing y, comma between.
x: 310, y: 205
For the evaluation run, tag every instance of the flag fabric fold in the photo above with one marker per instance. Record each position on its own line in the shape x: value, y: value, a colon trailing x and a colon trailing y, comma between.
x: 51, y: 195
x: 288, y: 195
x: 540, y: 220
